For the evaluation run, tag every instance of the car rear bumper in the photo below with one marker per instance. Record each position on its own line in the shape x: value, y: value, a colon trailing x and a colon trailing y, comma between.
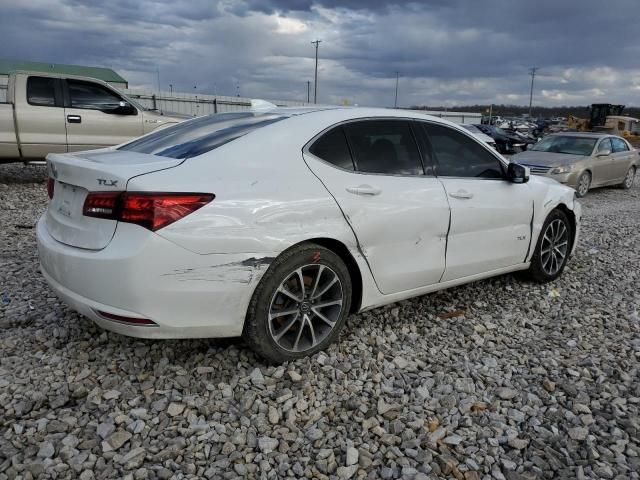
x: 142, y: 275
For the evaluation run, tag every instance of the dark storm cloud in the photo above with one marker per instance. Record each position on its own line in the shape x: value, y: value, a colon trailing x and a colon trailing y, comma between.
x: 447, y: 51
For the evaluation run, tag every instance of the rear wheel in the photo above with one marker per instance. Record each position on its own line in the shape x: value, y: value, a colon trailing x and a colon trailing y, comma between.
x: 300, y: 305
x: 629, y: 178
x: 553, y: 248
x: 584, y: 182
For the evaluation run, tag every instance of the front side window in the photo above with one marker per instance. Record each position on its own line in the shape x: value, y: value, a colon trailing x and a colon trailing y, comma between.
x: 332, y: 147
x: 203, y: 134
x: 41, y: 91
x: 457, y: 155
x: 619, y: 145
x: 384, y: 146
x: 91, y: 96
x: 605, y: 145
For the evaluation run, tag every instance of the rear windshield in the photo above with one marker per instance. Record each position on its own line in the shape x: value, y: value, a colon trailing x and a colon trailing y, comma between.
x: 568, y: 145
x: 195, y: 137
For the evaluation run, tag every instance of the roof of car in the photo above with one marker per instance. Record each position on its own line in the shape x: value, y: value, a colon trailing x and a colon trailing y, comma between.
x: 582, y: 134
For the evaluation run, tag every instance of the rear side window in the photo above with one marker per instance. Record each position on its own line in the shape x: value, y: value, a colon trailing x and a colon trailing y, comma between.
x: 619, y: 145
x: 458, y: 155
x: 332, y: 147
x: 203, y: 134
x: 91, y: 96
x: 41, y: 91
x: 384, y: 146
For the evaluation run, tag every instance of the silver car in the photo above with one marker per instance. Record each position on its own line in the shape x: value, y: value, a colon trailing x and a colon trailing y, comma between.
x: 583, y: 160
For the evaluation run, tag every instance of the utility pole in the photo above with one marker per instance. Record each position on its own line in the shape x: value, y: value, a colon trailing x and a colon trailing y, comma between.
x: 532, y: 72
x: 315, y: 83
x: 158, y: 72
x: 395, y: 102
x: 171, y: 88
x: 308, y: 91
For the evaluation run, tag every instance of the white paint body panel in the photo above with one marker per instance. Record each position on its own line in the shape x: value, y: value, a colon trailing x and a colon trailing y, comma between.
x: 195, y: 277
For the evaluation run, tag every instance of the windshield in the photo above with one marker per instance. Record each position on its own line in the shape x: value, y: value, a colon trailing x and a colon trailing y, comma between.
x: 569, y: 145
x: 471, y: 128
x: 203, y: 134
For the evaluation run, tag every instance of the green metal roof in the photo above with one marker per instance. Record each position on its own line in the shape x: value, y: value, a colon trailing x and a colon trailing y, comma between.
x: 104, y: 74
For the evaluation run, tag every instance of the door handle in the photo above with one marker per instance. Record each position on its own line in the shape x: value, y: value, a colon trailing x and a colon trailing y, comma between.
x: 74, y: 119
x: 462, y: 194
x: 364, y: 190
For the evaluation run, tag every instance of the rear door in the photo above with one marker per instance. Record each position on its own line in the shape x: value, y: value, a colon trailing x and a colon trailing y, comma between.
x: 40, y: 115
x: 399, y: 213
x: 490, y: 216
x: 623, y: 157
x: 91, y: 120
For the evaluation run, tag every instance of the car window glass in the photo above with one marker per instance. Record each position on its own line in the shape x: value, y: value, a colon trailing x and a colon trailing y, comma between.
x: 425, y: 148
x: 41, y: 91
x: 619, y: 145
x: 332, y: 147
x: 91, y: 95
x: 384, y: 146
x: 457, y: 155
x: 604, y: 145
x: 203, y: 134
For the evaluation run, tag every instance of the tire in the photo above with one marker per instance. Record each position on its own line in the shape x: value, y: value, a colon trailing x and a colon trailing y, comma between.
x: 280, y: 327
x: 584, y: 182
x: 541, y: 261
x: 627, y: 183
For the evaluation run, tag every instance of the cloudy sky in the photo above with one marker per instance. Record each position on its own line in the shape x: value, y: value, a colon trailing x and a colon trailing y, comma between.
x: 448, y: 52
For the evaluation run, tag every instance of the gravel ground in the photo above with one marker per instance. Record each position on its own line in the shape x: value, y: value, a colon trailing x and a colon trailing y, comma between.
x: 498, y: 379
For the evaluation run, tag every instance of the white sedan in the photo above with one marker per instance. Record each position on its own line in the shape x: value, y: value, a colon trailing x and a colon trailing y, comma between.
x: 275, y: 224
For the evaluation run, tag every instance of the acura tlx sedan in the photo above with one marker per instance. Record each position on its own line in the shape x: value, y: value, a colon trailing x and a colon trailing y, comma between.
x: 275, y: 224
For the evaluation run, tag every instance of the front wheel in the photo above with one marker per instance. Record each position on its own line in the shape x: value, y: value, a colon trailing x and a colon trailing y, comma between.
x: 300, y: 305
x: 553, y: 248
x: 584, y: 182
x: 629, y: 178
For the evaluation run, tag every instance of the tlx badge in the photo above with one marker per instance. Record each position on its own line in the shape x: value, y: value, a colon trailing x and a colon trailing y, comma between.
x: 107, y: 183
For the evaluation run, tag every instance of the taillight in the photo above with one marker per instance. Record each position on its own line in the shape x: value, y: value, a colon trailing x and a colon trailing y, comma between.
x: 101, y: 205
x: 51, y: 183
x: 149, y: 210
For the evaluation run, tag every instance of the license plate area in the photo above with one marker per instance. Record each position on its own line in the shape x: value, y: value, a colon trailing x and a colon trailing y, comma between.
x: 68, y: 200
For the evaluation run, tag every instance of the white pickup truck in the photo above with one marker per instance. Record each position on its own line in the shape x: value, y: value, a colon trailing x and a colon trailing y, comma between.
x: 61, y: 113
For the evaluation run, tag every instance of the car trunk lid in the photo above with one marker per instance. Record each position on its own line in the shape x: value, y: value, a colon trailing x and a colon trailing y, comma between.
x: 76, y: 175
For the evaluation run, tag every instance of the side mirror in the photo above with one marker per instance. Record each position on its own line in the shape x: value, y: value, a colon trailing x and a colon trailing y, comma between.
x: 122, y: 108
x: 517, y: 173
x: 604, y: 153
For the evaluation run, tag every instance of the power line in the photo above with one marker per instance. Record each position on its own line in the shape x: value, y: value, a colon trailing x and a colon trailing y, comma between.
x: 395, y: 102
x: 315, y: 83
x: 532, y: 72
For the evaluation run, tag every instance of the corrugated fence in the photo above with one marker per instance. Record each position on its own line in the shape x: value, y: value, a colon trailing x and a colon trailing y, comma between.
x: 196, y: 105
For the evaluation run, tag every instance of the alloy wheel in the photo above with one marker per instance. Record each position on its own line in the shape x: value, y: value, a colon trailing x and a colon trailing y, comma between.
x: 305, y: 307
x: 628, y: 179
x: 554, y: 247
x: 583, y: 184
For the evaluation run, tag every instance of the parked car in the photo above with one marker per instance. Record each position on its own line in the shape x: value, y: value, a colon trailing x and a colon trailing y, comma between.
x: 505, y: 141
x: 61, y: 113
x: 583, y: 160
x: 480, y: 135
x: 276, y: 224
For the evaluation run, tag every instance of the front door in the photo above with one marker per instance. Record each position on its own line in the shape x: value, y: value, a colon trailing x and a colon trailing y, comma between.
x: 490, y: 216
x: 89, y: 123
x: 399, y: 215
